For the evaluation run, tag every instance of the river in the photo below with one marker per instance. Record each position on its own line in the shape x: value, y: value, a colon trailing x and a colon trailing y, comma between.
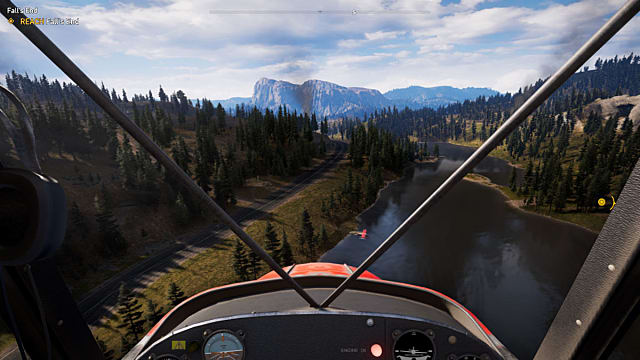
x: 509, y: 267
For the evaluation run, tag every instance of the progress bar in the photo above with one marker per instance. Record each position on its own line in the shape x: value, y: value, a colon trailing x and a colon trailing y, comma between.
x: 316, y: 12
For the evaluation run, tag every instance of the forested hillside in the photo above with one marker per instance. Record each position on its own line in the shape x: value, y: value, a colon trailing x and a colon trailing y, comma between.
x: 123, y: 207
x: 578, y: 146
x: 121, y: 204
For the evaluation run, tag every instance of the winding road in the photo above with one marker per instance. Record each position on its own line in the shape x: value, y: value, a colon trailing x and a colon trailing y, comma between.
x: 100, y: 301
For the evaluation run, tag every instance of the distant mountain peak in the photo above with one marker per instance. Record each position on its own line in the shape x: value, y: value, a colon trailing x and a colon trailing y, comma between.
x: 332, y: 100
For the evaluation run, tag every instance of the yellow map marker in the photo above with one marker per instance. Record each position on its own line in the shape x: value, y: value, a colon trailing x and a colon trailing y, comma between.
x: 10, y: 20
x: 601, y: 202
x: 614, y: 202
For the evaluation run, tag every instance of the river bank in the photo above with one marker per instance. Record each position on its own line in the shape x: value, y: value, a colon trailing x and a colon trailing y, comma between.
x: 590, y: 222
x: 593, y: 221
x: 473, y: 246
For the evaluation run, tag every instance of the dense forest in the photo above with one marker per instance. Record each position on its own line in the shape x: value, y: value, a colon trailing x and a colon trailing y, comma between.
x: 610, y: 77
x: 359, y: 190
x: 571, y: 152
x: 218, y: 150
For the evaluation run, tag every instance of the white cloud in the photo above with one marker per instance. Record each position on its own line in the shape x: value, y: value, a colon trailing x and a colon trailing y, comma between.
x: 516, y: 78
x: 355, y: 59
x: 383, y: 35
x: 180, y: 44
x: 402, y: 54
x: 5, y: 26
x: 350, y: 43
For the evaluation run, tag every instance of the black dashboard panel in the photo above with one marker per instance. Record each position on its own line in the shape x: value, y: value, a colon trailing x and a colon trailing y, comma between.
x: 320, y: 335
x: 267, y: 320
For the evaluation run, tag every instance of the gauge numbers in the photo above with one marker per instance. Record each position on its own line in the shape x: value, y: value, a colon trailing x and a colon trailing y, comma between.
x: 223, y: 345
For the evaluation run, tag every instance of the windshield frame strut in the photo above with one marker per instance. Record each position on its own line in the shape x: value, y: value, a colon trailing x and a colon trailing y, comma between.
x: 610, y: 28
x: 49, y: 49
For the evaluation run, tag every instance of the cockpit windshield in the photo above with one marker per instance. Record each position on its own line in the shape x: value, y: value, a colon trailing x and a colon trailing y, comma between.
x: 319, y: 129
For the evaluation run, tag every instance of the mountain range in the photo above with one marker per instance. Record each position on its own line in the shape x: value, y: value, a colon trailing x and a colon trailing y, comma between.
x: 332, y: 100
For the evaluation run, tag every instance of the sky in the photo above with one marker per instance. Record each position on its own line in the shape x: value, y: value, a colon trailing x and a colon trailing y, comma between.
x: 219, y: 48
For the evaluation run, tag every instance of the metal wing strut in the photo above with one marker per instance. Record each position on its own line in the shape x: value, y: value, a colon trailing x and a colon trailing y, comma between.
x: 628, y: 11
x: 44, y: 44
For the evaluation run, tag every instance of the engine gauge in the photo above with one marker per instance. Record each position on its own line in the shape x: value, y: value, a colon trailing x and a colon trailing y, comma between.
x: 223, y: 345
x: 413, y: 345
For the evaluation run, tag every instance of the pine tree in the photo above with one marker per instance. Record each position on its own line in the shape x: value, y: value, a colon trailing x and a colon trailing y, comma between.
x: 175, y: 294
x: 272, y: 244
x: 153, y: 313
x: 130, y: 313
x: 241, y: 261
x: 324, y: 238
x: 177, y: 157
x: 162, y: 95
x: 113, y: 145
x: 332, y: 203
x: 202, y: 173
x: 286, y: 255
x: 254, y: 264
x: 513, y: 180
x: 223, y: 189
x: 568, y: 181
x: 436, y: 149
x: 79, y: 221
x: 127, y: 163
x: 113, y: 241
x: 147, y: 174
x: 221, y: 116
x: 181, y: 210
x: 560, y: 195
x: 378, y: 177
x: 324, y: 209
x: 184, y: 154
x: 313, y: 246
x: 305, y: 234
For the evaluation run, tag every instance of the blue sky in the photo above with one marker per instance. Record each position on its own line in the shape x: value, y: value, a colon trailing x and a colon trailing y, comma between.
x: 181, y: 44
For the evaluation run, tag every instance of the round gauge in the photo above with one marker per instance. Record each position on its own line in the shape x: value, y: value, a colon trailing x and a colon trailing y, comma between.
x: 223, y: 345
x: 413, y: 345
x: 469, y: 357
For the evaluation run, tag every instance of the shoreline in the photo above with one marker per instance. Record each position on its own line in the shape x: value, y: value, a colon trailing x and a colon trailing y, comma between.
x: 497, y: 156
x: 516, y: 203
x: 387, y: 183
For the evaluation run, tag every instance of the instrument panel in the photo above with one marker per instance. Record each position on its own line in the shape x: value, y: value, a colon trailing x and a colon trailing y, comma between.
x: 319, y: 335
